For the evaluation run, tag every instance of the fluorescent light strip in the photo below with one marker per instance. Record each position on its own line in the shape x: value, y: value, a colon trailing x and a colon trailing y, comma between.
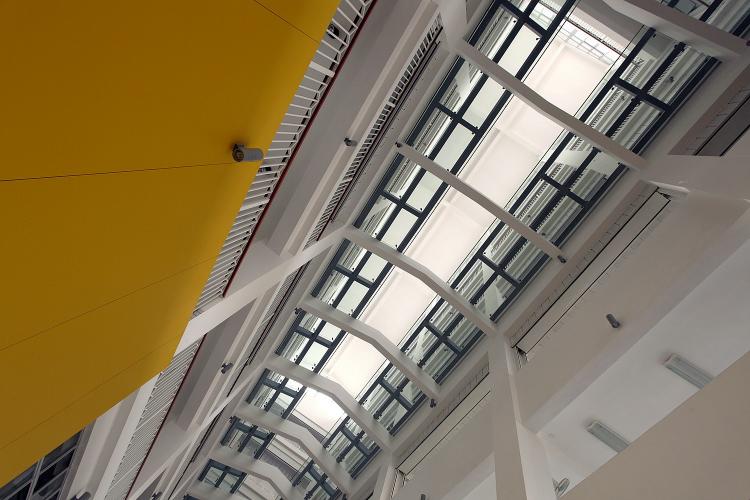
x: 688, y: 371
x: 607, y: 436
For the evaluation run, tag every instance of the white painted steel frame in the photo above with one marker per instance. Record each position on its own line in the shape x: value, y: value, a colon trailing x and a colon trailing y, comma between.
x: 477, y: 197
x: 335, y: 391
x: 375, y: 338
x: 301, y: 436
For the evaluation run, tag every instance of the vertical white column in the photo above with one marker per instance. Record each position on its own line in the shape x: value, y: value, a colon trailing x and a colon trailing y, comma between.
x: 387, y: 484
x: 681, y: 27
x: 521, y: 468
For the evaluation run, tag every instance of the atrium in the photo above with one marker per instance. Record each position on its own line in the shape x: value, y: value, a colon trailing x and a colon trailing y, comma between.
x: 376, y: 249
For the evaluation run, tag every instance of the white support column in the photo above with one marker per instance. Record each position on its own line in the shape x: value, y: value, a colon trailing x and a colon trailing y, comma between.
x: 335, y: 391
x: 569, y: 122
x: 276, y: 270
x: 258, y: 469
x: 521, y: 468
x: 303, y: 437
x: 477, y: 197
x: 724, y: 176
x: 681, y: 27
x: 386, y: 485
x: 375, y: 338
x: 427, y: 277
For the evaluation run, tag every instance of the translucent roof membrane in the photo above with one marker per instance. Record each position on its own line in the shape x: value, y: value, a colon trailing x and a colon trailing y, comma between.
x: 646, y: 83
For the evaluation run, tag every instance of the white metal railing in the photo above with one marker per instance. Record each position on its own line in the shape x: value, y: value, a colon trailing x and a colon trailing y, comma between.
x: 345, y: 23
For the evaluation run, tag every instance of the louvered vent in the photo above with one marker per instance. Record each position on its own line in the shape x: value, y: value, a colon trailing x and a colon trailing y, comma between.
x: 150, y: 422
x: 371, y: 141
x: 320, y: 72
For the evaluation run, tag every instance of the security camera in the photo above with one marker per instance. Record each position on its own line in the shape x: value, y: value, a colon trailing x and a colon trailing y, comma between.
x: 241, y: 153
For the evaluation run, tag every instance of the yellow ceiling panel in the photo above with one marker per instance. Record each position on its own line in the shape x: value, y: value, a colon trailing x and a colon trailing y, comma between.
x: 310, y: 17
x: 76, y: 243
x: 91, y: 86
x: 19, y: 454
x: 47, y: 374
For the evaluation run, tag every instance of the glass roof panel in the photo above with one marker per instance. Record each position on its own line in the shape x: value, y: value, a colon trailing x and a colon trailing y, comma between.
x: 547, y: 178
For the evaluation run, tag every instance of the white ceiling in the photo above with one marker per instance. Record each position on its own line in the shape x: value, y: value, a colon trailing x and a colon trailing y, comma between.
x: 708, y: 328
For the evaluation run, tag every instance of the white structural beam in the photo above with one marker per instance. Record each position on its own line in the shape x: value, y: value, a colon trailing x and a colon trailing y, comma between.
x: 375, y: 338
x: 702, y: 36
x: 335, y: 391
x: 726, y: 176
x: 429, y: 278
x: 529, y: 96
x: 303, y: 437
x: 454, y: 19
x: 521, y: 468
x: 262, y: 470
x: 480, y: 199
x: 274, y: 270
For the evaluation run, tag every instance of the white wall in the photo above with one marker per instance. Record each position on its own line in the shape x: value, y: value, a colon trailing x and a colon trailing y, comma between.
x: 699, y: 452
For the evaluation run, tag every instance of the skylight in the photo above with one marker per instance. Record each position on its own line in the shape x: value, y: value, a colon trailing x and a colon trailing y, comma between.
x: 547, y: 178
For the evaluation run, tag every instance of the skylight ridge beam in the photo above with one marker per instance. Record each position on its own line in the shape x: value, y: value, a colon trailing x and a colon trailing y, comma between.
x: 253, y: 467
x: 534, y: 100
x: 300, y: 435
x: 480, y: 199
x: 376, y: 339
x: 335, y: 391
x: 426, y: 276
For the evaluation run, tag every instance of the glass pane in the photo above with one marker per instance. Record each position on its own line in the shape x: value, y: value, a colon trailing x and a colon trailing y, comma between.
x: 294, y: 346
x: 495, y: 295
x: 313, y: 356
x: 483, y: 103
x: 421, y: 344
x: 212, y: 476
x: 519, y: 50
x: 339, y: 280
x: 392, y: 415
x: 424, y: 191
x: 460, y: 87
x: 228, y: 483
x: 522, y: 263
x: 329, y: 332
x: 396, y: 233
x: 373, y: 267
x: 352, y: 298
x: 454, y: 147
x: 464, y: 333
x: 438, y: 361
x: 353, y: 459
x: 378, y: 216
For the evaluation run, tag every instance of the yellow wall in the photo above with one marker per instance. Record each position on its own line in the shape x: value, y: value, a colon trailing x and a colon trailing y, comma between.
x: 117, y: 186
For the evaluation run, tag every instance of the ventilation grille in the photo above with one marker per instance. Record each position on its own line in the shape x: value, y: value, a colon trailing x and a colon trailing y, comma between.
x: 153, y: 416
x: 321, y: 70
x: 391, y: 105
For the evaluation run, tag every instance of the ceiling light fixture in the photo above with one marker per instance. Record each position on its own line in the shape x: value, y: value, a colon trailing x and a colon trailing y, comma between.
x: 687, y: 371
x: 607, y: 436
